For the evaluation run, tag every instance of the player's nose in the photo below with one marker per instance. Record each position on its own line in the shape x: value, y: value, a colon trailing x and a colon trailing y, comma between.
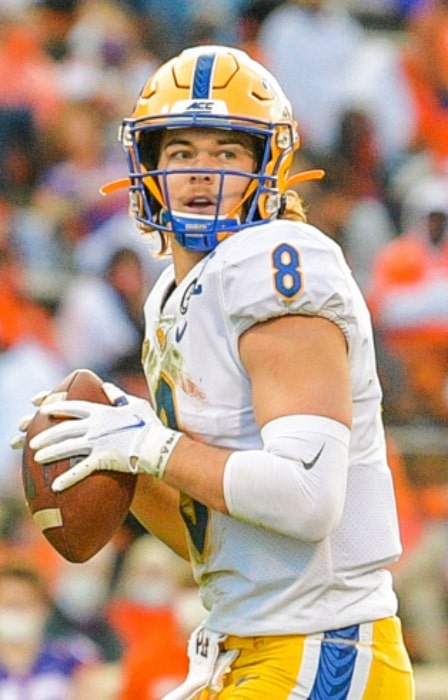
x: 204, y: 162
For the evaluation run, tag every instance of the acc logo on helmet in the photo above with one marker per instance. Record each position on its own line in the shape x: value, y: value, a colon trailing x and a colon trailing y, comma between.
x: 208, y: 106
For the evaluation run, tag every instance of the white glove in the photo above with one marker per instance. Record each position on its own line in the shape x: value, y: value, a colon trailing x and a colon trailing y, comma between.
x: 110, y: 436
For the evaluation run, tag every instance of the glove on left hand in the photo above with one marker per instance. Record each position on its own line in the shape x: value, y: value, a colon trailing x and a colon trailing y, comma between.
x: 108, y: 436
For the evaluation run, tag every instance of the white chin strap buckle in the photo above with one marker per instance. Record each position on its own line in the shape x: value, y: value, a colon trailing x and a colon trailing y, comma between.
x: 208, y: 665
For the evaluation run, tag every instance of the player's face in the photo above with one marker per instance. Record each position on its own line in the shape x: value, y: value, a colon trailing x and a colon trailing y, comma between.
x: 198, y: 193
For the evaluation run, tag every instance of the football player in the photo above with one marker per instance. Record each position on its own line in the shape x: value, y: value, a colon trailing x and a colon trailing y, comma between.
x: 261, y: 454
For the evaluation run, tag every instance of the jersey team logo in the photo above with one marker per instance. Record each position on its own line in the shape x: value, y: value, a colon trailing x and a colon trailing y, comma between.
x: 193, y: 289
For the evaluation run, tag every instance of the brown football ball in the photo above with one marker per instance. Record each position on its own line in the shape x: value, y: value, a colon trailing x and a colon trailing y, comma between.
x: 79, y: 521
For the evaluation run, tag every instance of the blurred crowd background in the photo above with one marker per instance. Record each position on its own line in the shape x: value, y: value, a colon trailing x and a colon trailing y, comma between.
x: 368, y: 80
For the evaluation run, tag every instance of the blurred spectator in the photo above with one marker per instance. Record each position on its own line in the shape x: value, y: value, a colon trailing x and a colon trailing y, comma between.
x: 312, y: 46
x: 177, y: 23
x: 421, y: 582
x: 411, y: 515
x: 421, y: 574
x: 379, y: 88
x: 171, y: 21
x: 80, y: 597
x: 154, y: 613
x: 22, y: 318
x: 92, y: 255
x: 29, y: 355
x: 346, y: 206
x: 27, y: 74
x: 409, y: 302
x: 111, y: 53
x: 425, y: 65
x: 382, y: 15
x: 69, y: 189
x: 53, y: 20
x: 355, y: 175
x: 251, y: 15
x: 66, y: 204
x: 101, y: 682
x: 32, y: 665
x: 22, y: 542
x: 356, y: 144
x: 402, y: 83
x: 100, y: 319
x: 18, y: 153
x: 104, y: 61
x: 24, y: 369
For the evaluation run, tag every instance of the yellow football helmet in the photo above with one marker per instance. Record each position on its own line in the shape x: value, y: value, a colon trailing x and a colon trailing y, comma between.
x: 210, y: 87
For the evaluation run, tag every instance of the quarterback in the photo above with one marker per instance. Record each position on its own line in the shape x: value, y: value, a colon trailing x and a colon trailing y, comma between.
x: 261, y: 455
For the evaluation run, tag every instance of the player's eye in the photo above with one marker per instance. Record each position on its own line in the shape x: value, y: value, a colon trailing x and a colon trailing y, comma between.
x: 229, y: 154
x: 179, y: 153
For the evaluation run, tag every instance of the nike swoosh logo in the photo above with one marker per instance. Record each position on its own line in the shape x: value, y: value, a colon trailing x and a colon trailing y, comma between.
x: 180, y: 332
x: 310, y: 465
x: 140, y: 423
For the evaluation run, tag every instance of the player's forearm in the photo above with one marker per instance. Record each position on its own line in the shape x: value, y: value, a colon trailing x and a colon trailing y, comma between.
x: 295, y: 485
x: 197, y: 469
x: 156, y: 507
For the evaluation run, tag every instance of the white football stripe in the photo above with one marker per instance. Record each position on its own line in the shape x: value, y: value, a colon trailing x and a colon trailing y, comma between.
x: 48, y: 517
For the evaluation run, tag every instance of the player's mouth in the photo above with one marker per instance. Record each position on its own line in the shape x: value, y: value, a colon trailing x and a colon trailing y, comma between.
x: 201, y: 205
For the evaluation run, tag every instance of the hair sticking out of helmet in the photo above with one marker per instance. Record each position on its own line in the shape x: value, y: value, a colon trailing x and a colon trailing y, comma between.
x: 213, y: 88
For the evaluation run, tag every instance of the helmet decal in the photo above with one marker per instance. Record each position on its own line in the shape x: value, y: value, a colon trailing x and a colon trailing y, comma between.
x: 202, y: 83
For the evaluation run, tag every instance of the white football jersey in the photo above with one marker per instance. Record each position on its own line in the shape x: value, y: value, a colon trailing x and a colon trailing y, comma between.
x: 255, y: 581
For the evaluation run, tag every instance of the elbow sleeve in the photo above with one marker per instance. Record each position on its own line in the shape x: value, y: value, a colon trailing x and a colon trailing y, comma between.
x: 296, y: 484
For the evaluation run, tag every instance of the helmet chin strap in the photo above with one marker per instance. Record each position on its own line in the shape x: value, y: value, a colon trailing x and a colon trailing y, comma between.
x: 198, y: 232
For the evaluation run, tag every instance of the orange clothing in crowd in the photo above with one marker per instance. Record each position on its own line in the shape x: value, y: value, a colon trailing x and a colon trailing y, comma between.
x: 155, y: 659
x: 21, y: 318
x: 29, y: 547
x: 425, y: 64
x: 410, y: 514
x: 405, y: 270
x: 406, y: 262
x: 404, y: 267
x: 28, y: 77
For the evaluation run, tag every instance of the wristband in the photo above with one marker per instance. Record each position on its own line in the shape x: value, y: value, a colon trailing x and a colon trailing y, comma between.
x: 153, y: 449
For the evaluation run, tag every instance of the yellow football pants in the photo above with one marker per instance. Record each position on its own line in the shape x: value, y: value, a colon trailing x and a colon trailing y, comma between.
x: 361, y: 662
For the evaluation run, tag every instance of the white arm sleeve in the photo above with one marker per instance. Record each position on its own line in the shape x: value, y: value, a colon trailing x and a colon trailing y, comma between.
x: 296, y: 484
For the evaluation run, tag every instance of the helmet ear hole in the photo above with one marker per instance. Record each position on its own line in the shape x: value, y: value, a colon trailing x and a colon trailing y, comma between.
x: 259, y: 152
x: 283, y: 202
x: 149, y: 148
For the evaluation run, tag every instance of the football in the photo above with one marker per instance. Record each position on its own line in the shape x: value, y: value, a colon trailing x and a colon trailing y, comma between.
x: 79, y: 521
